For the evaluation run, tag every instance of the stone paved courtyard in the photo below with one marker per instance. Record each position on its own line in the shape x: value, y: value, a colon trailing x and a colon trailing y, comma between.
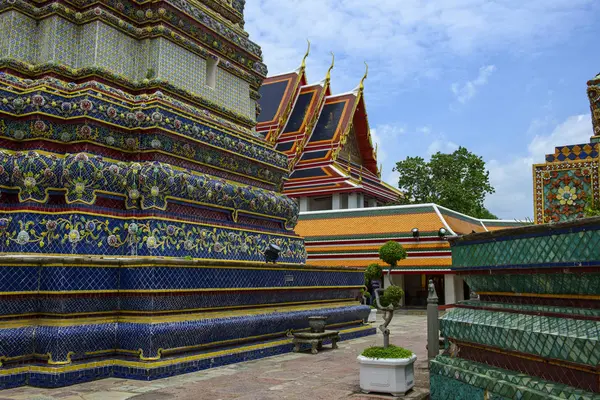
x: 328, y: 375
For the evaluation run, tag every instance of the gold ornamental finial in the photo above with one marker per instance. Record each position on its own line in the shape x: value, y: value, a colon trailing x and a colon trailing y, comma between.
x: 362, y: 81
x: 303, y: 66
x: 328, y: 77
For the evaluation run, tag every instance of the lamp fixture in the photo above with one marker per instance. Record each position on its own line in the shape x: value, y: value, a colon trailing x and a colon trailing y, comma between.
x: 272, y: 253
x: 442, y: 233
x: 415, y: 233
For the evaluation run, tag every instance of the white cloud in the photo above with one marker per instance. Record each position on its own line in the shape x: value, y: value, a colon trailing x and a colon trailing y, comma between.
x: 409, y: 38
x: 466, y: 91
x: 442, y: 145
x: 513, y: 180
x: 382, y: 136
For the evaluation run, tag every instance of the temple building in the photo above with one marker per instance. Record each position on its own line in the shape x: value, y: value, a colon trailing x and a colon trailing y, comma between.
x: 335, y: 177
x: 138, y: 203
x: 568, y: 181
x: 327, y: 140
x: 353, y: 238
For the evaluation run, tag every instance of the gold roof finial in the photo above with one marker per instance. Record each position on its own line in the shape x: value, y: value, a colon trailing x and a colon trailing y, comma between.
x: 380, y: 170
x: 303, y: 66
x: 362, y: 81
x: 328, y: 77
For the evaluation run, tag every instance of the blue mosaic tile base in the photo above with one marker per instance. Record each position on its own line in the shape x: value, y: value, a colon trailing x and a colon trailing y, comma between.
x: 60, y: 379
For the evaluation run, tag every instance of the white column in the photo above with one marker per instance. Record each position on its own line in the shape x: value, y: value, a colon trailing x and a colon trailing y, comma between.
x: 361, y: 200
x: 303, y: 204
x: 352, y: 200
x: 336, y: 201
x: 459, y: 284
x: 453, y: 289
x: 372, y: 203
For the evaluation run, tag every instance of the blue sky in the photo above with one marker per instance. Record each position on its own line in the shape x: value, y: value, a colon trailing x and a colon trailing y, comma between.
x: 504, y: 78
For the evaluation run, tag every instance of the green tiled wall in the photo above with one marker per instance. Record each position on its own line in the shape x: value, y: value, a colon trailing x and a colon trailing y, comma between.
x: 571, y: 283
x: 566, y: 339
x: 456, y: 379
x: 556, y: 248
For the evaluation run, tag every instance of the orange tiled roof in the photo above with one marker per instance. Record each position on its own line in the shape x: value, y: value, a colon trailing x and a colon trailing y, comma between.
x: 334, y: 225
x: 422, y: 263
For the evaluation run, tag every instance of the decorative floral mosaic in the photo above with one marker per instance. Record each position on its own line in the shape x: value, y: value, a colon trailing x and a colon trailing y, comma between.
x: 95, y: 86
x: 77, y: 233
x: 246, y: 170
x: 145, y: 186
x: 131, y: 117
x: 563, y: 190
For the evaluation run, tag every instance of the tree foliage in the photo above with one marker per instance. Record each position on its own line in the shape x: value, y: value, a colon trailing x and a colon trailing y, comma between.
x: 458, y: 181
x: 392, y: 252
x: 373, y: 272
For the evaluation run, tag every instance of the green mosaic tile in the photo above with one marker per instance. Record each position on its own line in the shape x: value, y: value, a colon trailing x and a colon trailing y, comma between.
x: 443, y: 388
x: 454, y: 378
x: 566, y: 339
x: 572, y: 283
x: 557, y: 248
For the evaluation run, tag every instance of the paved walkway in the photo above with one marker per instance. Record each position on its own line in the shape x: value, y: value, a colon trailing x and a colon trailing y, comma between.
x: 328, y: 375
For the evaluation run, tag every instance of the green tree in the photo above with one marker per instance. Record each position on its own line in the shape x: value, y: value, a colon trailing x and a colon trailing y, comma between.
x: 391, y: 253
x: 458, y: 181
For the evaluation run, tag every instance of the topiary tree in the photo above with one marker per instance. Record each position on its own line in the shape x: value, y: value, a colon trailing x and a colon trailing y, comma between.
x: 388, y: 300
x: 391, y: 253
x: 373, y: 272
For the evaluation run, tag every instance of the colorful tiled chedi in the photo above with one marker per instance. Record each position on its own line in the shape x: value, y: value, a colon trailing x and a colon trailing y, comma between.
x: 137, y: 199
x: 568, y: 181
x: 534, y: 333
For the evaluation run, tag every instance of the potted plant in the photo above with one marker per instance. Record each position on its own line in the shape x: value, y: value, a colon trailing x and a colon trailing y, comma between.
x: 388, y: 369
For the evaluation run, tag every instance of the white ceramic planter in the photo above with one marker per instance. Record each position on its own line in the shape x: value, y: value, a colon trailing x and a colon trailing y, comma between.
x: 372, y: 315
x: 392, y: 375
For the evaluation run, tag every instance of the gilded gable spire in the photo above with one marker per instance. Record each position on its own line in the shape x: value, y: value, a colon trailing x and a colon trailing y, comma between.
x: 303, y: 65
x: 361, y: 86
x: 328, y: 77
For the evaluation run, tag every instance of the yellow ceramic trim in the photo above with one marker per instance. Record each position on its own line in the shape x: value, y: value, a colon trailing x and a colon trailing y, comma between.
x: 157, y: 364
x: 91, y: 264
x: 167, y: 312
x: 199, y: 290
x: 52, y: 362
x: 152, y: 319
